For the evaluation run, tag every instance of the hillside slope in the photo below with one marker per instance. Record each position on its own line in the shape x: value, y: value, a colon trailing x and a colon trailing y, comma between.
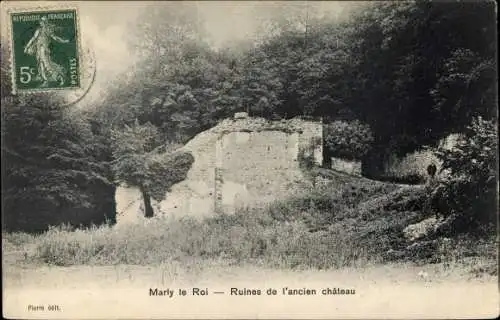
x: 343, y: 221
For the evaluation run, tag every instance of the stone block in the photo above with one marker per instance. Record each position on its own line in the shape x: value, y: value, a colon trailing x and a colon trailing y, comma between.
x: 348, y: 166
x: 241, y: 115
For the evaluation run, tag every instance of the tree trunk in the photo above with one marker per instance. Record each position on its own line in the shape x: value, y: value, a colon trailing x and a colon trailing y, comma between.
x: 148, y: 209
x: 327, y: 157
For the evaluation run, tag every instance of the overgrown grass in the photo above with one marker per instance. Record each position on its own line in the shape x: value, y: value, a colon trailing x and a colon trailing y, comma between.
x: 346, y: 222
x: 403, y: 178
x: 231, y: 238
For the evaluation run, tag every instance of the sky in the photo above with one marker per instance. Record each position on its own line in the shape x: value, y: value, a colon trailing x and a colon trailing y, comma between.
x: 105, y: 25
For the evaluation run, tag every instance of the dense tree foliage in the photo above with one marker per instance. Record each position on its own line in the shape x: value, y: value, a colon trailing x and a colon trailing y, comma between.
x: 348, y: 140
x: 142, y: 160
x: 51, y: 171
x: 411, y: 71
x: 382, y: 66
x: 411, y: 64
x: 469, y: 193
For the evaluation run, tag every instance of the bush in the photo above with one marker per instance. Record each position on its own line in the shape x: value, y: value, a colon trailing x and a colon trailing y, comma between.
x: 469, y: 191
x: 166, y: 170
x: 348, y: 140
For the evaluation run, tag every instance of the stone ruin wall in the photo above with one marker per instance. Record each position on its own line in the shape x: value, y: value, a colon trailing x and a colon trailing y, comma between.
x: 254, y: 167
x: 312, y: 135
x: 244, y: 161
x: 416, y: 163
x: 261, y: 166
x: 239, y: 162
x: 352, y: 167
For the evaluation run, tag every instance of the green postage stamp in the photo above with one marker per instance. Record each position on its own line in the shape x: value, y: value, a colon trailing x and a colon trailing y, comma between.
x: 45, y: 50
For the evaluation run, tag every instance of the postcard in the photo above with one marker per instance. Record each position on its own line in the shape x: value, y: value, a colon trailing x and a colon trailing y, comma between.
x: 249, y: 160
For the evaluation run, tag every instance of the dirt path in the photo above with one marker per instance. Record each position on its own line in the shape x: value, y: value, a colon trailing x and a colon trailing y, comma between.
x: 123, y: 291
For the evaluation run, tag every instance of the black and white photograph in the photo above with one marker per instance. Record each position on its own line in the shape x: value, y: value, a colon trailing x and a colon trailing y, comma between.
x: 249, y: 159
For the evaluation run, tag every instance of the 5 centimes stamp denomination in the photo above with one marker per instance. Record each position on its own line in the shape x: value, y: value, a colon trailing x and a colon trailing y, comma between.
x: 45, y: 50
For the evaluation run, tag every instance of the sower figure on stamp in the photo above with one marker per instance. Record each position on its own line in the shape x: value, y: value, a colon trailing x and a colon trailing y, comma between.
x: 38, y: 46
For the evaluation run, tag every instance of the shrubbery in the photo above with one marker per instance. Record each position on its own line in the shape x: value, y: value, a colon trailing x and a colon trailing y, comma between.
x: 142, y: 160
x: 403, y: 179
x: 469, y: 191
x: 54, y: 168
x: 348, y: 140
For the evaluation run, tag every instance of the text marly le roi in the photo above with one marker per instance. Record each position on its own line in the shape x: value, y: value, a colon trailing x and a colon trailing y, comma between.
x: 252, y: 292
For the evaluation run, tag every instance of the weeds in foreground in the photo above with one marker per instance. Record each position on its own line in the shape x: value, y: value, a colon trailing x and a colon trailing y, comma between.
x: 278, y: 244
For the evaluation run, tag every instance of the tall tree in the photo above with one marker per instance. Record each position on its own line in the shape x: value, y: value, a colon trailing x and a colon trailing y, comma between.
x: 51, y: 174
x: 142, y: 161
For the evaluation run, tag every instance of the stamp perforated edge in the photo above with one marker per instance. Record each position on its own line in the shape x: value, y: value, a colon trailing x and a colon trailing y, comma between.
x: 10, y: 48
